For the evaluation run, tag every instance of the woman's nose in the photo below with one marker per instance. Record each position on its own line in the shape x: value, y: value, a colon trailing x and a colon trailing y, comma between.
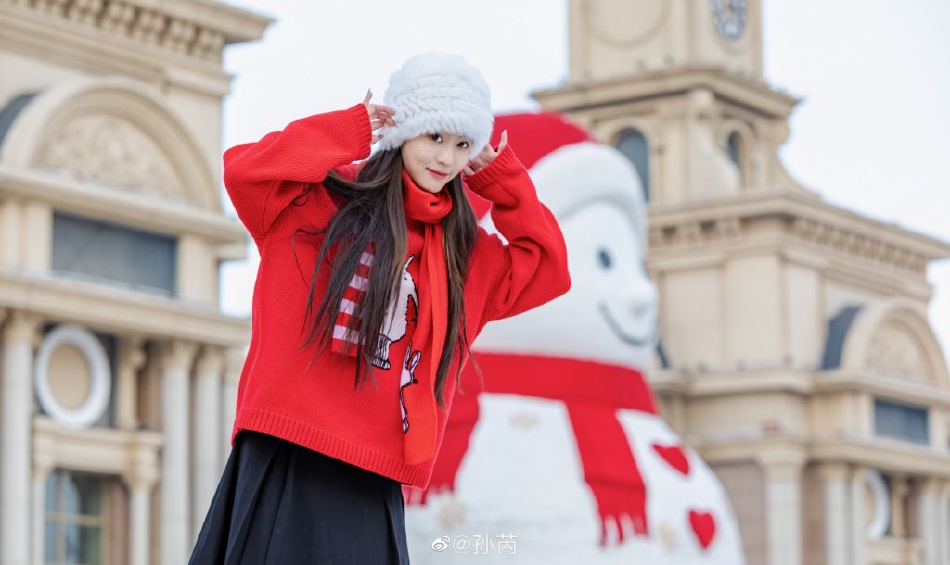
x: 445, y: 157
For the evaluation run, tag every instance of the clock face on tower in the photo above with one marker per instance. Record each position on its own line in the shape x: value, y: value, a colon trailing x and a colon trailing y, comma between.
x: 729, y: 16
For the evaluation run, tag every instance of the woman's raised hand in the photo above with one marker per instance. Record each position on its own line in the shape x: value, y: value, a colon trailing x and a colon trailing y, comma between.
x: 487, y: 155
x: 379, y: 115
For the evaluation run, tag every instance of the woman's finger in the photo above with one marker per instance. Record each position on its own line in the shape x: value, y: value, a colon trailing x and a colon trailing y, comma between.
x: 381, y: 113
x: 369, y: 94
x: 503, y: 142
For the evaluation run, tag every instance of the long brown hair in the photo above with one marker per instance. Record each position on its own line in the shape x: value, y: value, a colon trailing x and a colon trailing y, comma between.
x: 372, y: 212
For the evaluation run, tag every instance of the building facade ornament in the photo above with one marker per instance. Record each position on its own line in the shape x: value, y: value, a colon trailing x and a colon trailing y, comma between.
x: 894, y: 351
x: 167, y: 25
x: 110, y: 150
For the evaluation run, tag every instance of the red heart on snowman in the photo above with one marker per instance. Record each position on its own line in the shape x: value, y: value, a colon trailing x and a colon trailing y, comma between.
x: 704, y: 526
x: 674, y: 456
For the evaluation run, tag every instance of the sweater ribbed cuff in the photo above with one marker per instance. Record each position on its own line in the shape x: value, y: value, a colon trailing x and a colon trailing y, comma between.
x: 359, y: 133
x: 493, y: 182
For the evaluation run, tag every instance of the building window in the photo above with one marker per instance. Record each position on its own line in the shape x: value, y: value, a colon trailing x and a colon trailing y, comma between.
x: 75, y: 530
x: 901, y: 421
x: 634, y: 146
x: 734, y: 148
x: 75, y: 378
x: 105, y: 252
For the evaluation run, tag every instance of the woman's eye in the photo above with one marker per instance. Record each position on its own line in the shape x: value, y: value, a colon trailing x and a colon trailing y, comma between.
x: 603, y: 257
x: 464, y: 144
x: 436, y: 137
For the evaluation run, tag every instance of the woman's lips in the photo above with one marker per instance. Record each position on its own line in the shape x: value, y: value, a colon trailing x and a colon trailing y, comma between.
x: 437, y: 174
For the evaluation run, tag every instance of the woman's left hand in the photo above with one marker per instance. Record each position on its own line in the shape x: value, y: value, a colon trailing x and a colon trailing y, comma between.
x: 487, y: 155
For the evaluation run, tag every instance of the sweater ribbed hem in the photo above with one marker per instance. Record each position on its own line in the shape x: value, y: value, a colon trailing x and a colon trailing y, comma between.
x: 321, y: 441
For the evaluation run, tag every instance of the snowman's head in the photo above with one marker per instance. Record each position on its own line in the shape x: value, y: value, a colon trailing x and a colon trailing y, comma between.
x: 610, y: 313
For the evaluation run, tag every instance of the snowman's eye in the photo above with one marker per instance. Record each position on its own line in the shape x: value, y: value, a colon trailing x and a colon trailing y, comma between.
x: 603, y: 257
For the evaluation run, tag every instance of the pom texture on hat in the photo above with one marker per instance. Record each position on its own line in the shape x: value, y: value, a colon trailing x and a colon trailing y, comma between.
x: 438, y: 93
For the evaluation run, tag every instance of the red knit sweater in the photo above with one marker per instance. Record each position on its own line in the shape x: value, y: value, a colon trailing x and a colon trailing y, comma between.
x: 283, y: 394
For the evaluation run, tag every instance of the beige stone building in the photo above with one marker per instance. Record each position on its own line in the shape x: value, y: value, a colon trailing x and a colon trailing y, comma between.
x: 118, y: 369
x: 797, y: 356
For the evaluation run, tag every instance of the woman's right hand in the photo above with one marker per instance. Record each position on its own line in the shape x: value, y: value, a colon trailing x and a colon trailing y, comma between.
x: 379, y: 115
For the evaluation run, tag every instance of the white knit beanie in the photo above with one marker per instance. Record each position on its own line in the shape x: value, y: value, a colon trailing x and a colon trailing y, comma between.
x: 438, y: 92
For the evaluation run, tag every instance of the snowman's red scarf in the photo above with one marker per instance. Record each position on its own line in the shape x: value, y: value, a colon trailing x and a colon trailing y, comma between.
x: 592, y: 392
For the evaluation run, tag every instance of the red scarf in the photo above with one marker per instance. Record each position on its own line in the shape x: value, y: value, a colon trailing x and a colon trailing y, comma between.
x: 429, y: 334
x: 592, y: 393
x: 428, y: 337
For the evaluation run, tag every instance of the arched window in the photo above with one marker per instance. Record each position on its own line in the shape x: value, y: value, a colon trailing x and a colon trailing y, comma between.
x: 734, y: 148
x: 634, y: 146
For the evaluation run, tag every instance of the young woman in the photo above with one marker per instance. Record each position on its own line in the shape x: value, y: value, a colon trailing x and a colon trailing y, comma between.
x: 374, y: 280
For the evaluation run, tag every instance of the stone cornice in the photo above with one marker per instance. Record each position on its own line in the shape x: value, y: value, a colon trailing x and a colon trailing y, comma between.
x: 115, y: 204
x: 114, y: 309
x: 801, y: 383
x: 885, y: 454
x: 695, y: 385
x: 110, y: 451
x: 137, y: 38
x: 793, y: 218
x: 739, y: 90
x: 895, y: 388
x: 878, y: 453
x: 199, y: 28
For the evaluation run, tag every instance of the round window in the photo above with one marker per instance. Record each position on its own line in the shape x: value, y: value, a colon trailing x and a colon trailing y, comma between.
x: 71, y: 377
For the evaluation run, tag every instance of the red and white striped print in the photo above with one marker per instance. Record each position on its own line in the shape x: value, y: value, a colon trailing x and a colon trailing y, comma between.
x: 344, y: 340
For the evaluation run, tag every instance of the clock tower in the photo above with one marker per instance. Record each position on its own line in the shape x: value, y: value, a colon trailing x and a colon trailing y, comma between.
x: 677, y: 86
x: 616, y: 38
x: 798, y: 356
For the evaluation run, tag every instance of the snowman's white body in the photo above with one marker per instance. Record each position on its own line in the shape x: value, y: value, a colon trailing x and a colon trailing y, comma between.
x: 522, y: 476
x: 520, y: 494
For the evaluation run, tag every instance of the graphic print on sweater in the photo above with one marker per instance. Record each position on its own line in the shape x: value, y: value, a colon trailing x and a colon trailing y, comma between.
x: 408, y: 377
x: 397, y: 315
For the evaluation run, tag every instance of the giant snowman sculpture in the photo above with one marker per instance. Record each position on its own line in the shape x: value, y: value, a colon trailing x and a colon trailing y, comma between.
x: 561, y: 457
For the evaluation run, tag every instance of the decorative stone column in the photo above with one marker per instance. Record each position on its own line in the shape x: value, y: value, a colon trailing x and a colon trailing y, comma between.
x: 931, y: 528
x: 206, y: 436
x: 234, y: 363
x: 16, y: 415
x: 782, y: 467
x: 176, y: 361
x: 11, y: 234
x: 943, y: 507
x: 899, y: 491
x: 131, y: 359
x: 140, y: 478
x: 43, y: 465
x: 835, y: 477
x: 857, y: 532
x: 140, y: 494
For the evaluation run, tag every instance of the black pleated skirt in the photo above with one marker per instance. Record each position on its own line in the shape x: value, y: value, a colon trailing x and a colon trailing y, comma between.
x: 279, y: 503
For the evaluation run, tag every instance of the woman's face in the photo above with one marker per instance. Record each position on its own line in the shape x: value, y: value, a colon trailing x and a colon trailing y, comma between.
x: 434, y: 159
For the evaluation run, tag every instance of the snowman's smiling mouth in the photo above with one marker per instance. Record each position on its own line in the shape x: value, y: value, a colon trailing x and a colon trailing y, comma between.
x: 628, y: 339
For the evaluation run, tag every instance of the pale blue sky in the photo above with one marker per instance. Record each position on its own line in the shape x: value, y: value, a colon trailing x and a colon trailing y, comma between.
x: 872, y: 133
